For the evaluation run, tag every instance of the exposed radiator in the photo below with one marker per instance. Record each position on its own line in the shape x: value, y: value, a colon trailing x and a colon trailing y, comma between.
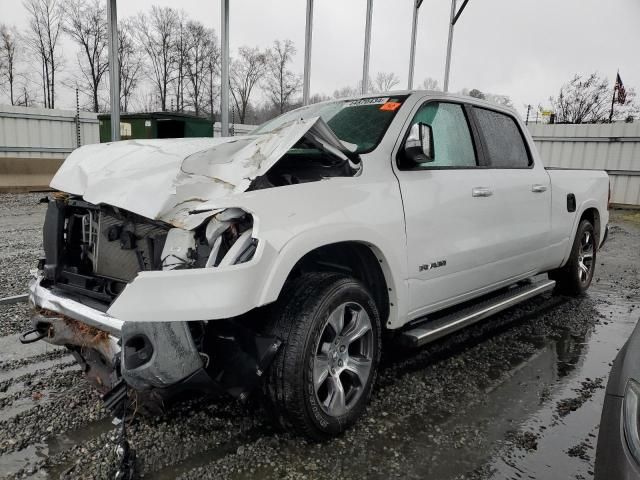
x: 114, y: 261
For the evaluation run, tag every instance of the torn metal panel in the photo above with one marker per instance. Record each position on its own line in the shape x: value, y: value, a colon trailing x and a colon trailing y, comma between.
x: 165, y: 179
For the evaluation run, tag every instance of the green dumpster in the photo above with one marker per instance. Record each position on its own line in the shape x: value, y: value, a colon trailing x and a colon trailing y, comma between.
x: 156, y: 125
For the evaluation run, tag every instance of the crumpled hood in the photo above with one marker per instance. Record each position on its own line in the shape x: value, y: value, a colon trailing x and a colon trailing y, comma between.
x: 165, y: 179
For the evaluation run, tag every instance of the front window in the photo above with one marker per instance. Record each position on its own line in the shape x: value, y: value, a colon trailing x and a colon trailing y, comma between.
x: 361, y: 122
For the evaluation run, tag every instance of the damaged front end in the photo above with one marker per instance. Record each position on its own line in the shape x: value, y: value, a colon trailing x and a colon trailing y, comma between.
x: 92, y: 253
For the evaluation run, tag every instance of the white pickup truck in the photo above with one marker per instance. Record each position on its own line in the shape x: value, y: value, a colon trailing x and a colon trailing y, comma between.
x: 274, y: 262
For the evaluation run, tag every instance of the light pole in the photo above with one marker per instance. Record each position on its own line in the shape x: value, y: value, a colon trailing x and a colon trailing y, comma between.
x: 367, y: 48
x: 414, y: 34
x: 454, y: 18
x: 114, y: 69
x: 308, y: 34
x: 224, y: 75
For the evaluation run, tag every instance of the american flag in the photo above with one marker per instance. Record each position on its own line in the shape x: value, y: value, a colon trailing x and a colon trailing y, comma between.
x: 622, y: 93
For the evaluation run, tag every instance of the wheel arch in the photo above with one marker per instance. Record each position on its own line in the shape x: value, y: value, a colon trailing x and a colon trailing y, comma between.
x: 589, y: 211
x: 593, y: 215
x: 362, y: 259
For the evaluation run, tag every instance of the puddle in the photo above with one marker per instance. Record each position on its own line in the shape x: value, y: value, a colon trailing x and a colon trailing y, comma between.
x: 30, y: 456
x: 67, y: 440
x: 587, y: 359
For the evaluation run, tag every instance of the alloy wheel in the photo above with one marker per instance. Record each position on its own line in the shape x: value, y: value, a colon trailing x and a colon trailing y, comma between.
x: 585, y: 256
x: 343, y: 358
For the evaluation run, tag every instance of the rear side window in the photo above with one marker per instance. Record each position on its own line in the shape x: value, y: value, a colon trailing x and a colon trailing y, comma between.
x: 502, y: 139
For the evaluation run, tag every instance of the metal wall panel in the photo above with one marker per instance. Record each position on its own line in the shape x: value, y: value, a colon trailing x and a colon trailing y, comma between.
x: 614, y: 147
x: 35, y: 141
x: 43, y: 133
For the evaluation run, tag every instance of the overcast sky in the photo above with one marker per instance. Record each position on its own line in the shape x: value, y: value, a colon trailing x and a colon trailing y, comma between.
x: 522, y: 48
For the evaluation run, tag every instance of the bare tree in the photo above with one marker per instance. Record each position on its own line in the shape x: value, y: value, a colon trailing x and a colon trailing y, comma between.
x: 45, y: 23
x: 212, y: 68
x: 583, y: 100
x: 181, y: 54
x: 630, y: 110
x: 201, y: 43
x: 86, y: 23
x: 281, y: 83
x: 156, y: 34
x: 25, y: 99
x: 8, y: 60
x: 131, y: 63
x: 347, y: 91
x: 318, y: 97
x: 385, y: 82
x: 430, y: 84
x: 246, y: 71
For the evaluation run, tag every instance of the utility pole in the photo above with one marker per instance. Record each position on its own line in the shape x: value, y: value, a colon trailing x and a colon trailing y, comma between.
x: 454, y: 18
x: 224, y: 75
x: 114, y: 69
x: 308, y: 34
x: 367, y: 48
x: 414, y: 34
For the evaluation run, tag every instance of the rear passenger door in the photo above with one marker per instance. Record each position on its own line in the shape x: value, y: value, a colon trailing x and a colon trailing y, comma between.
x: 521, y: 190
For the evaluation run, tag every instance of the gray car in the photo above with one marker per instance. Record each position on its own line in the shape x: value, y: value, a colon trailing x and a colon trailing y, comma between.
x: 618, y: 452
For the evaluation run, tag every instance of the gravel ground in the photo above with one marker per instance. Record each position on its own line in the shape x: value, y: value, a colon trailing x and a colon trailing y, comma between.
x: 517, y: 396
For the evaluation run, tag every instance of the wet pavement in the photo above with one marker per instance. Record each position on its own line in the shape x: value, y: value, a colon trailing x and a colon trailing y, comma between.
x: 517, y: 396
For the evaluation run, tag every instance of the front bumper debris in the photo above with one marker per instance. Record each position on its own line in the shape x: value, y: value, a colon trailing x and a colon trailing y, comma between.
x: 62, y: 304
x: 157, y: 360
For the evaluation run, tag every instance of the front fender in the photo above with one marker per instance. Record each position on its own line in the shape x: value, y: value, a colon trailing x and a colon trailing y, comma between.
x: 392, y: 262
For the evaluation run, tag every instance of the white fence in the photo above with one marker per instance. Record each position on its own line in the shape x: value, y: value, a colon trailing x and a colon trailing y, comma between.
x: 612, y: 147
x: 42, y: 133
x: 35, y: 141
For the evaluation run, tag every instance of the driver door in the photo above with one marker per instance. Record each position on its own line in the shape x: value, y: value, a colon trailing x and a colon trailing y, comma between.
x: 449, y: 213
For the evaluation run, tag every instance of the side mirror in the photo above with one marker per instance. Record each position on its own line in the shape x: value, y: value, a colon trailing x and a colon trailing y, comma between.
x: 418, y: 147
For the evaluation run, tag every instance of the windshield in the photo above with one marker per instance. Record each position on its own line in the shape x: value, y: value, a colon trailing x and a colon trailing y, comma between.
x: 361, y: 122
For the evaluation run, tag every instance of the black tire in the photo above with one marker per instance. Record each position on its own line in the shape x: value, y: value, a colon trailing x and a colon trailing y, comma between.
x: 572, y: 279
x: 301, y: 319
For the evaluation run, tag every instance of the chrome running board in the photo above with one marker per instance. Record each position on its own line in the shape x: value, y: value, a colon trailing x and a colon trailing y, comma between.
x: 432, y: 329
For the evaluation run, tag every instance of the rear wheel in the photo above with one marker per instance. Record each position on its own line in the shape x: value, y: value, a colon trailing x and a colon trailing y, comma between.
x: 321, y: 380
x: 575, y: 277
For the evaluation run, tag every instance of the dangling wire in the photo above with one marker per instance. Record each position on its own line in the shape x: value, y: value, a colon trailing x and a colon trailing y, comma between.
x: 126, y: 455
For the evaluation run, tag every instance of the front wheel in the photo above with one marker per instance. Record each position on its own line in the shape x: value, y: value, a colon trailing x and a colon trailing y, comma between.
x: 321, y: 380
x: 575, y: 277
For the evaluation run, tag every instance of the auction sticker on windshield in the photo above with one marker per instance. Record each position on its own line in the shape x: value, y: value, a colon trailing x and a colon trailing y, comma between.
x: 367, y: 101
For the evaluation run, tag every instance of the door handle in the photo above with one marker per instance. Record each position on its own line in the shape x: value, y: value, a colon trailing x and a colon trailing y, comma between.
x: 481, y: 192
x: 538, y: 188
